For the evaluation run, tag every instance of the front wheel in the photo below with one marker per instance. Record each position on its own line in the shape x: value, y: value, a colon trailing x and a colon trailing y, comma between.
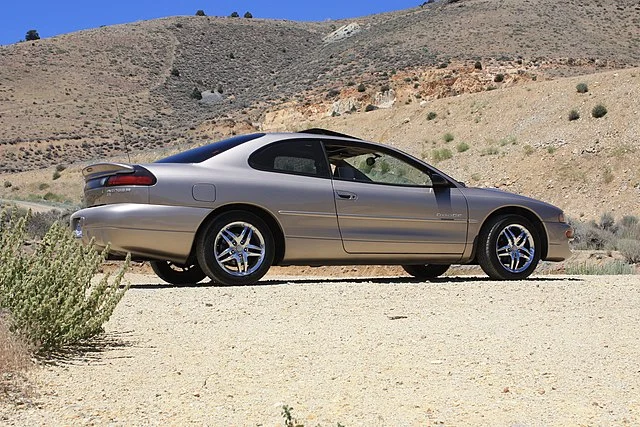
x: 426, y: 271
x: 509, y: 248
x: 236, y: 248
x: 178, y: 274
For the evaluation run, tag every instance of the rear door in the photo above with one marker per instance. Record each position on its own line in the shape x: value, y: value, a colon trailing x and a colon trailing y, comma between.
x: 385, y: 203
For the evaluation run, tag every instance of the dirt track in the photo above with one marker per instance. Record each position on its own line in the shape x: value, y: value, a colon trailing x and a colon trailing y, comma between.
x: 384, y: 351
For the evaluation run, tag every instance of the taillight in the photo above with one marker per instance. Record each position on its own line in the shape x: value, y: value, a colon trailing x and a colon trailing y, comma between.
x: 140, y: 176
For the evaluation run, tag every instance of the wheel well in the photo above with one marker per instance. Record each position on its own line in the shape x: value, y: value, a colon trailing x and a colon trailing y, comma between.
x: 514, y: 210
x: 278, y: 235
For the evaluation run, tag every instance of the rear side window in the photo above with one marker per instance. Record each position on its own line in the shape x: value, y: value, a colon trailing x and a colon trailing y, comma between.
x: 200, y: 154
x: 298, y: 157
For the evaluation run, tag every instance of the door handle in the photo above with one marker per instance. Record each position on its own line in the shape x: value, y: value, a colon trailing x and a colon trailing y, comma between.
x: 346, y: 195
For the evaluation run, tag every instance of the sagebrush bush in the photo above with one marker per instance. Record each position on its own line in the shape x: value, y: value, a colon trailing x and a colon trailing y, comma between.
x: 196, y: 94
x: 432, y: 115
x: 441, y: 154
x: 448, y: 137
x: 623, y: 236
x: 599, y: 111
x: 582, y: 88
x: 462, y: 147
x: 49, y: 291
x: 630, y: 249
x: 573, y: 115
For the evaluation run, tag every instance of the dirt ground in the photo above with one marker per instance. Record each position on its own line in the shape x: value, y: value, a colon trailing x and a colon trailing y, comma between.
x: 374, y: 351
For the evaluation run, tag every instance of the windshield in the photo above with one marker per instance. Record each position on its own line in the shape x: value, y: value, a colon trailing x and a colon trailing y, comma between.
x: 200, y: 154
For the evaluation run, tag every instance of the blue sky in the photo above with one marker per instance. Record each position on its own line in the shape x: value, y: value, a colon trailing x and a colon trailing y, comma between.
x: 51, y: 17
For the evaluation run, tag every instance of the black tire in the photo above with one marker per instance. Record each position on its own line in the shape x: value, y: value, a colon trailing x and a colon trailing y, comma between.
x: 178, y: 274
x: 426, y: 271
x: 254, y: 257
x: 515, y: 238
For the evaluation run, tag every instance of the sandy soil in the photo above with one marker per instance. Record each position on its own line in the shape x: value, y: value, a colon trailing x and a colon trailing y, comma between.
x: 553, y: 350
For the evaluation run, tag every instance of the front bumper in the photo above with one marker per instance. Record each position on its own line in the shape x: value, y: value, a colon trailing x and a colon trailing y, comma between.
x: 558, y: 248
x: 154, y: 232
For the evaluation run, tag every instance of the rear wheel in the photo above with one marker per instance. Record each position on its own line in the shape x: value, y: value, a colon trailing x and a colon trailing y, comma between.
x: 178, y: 274
x: 426, y: 271
x: 236, y: 248
x: 509, y: 248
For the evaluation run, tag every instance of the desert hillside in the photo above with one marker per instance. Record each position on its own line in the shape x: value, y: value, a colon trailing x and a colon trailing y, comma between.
x: 499, y: 75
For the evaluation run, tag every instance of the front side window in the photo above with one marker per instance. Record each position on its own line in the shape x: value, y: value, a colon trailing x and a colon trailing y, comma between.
x: 298, y: 157
x: 369, y: 164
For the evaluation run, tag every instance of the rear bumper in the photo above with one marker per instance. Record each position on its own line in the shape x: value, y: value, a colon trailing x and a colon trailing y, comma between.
x: 558, y: 248
x: 146, y: 231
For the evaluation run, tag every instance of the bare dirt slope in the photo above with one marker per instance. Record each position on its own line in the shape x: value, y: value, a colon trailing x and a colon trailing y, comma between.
x: 518, y: 138
x: 58, y: 96
x: 552, y: 350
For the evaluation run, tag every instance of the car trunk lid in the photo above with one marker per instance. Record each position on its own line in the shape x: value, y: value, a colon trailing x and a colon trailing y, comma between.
x: 109, y: 183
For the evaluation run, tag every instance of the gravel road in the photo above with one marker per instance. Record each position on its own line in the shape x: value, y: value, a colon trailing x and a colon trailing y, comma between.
x: 552, y: 350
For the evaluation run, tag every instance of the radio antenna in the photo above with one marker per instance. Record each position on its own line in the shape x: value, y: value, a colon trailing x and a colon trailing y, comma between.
x: 124, y: 135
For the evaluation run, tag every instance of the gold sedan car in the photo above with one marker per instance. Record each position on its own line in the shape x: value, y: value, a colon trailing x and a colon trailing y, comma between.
x: 232, y: 209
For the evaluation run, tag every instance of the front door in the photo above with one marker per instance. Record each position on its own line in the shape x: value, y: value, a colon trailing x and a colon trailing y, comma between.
x: 386, y: 203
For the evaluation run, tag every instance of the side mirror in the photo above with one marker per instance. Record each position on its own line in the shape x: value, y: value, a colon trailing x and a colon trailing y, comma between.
x: 438, y: 181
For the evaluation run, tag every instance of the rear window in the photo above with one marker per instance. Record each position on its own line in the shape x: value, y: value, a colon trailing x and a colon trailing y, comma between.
x: 200, y: 154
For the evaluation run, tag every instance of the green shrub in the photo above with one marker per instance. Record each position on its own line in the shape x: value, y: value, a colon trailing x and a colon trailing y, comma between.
x: 611, y: 268
x: 573, y: 115
x: 623, y: 236
x: 490, y: 151
x: 441, y: 154
x: 462, y: 147
x: 498, y: 78
x: 608, y: 222
x: 630, y: 249
x: 49, y: 292
x: 196, y: 94
x: 384, y: 88
x: 200, y: 12
x: 43, y: 186
x: 60, y: 168
x: 478, y: 65
x: 234, y: 15
x: 175, y: 72
x: 432, y: 115
x: 528, y: 150
x: 248, y: 15
x: 56, y: 175
x: 447, y: 137
x: 582, y: 88
x: 370, y: 107
x: 599, y: 111
x: 32, y: 35
x: 7, y: 184
x: 510, y: 140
